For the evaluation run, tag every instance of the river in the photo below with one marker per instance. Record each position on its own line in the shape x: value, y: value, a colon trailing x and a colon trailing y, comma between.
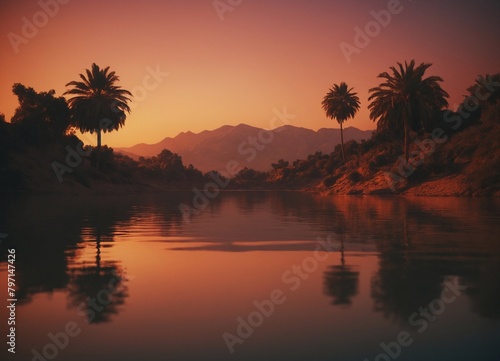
x: 253, y: 276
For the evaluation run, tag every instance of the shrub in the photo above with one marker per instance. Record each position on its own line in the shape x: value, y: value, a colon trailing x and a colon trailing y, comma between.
x: 355, y: 177
x: 330, y: 180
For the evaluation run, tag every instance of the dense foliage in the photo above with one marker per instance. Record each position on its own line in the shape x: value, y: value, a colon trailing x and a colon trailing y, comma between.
x: 39, y: 143
x: 97, y: 102
x: 39, y: 150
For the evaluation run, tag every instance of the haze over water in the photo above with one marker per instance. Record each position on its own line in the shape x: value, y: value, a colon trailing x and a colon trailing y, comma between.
x: 178, y: 287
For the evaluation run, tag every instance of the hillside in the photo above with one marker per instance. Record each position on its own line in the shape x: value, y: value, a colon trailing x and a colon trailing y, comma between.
x: 39, y: 154
x: 464, y: 161
x: 250, y: 146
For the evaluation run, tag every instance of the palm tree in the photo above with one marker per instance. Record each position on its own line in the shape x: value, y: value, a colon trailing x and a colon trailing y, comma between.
x: 406, y: 100
x: 98, y: 103
x: 482, y: 92
x: 340, y: 103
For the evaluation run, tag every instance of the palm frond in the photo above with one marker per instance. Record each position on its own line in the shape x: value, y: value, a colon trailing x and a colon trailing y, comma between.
x: 97, y: 98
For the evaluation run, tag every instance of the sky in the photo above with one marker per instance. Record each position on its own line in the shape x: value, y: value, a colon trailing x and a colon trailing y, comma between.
x: 196, y: 65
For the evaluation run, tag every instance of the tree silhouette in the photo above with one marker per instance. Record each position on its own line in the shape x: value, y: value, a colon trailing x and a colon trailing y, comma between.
x: 341, y: 282
x: 406, y: 100
x: 98, y: 104
x: 40, y: 117
x: 340, y: 103
x: 482, y: 92
x: 98, y: 290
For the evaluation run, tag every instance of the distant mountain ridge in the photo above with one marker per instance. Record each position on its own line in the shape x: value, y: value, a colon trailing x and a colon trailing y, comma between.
x: 251, y: 147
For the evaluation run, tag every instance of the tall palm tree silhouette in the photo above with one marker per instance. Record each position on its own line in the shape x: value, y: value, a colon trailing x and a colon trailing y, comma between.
x: 342, y: 281
x: 98, y: 104
x: 89, y: 283
x: 405, y: 99
x: 340, y: 103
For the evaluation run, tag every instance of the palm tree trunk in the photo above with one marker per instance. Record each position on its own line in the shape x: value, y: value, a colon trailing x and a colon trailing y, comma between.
x: 406, y: 125
x: 98, y: 139
x: 342, y: 142
x: 98, y: 147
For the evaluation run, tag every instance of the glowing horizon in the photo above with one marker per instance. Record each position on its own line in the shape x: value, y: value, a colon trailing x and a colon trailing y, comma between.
x: 260, y: 57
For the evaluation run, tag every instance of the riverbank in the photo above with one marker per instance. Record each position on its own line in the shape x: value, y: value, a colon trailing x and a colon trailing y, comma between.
x: 447, y: 186
x: 443, y: 162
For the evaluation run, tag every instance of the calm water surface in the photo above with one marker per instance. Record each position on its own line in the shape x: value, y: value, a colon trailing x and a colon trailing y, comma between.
x: 250, y: 274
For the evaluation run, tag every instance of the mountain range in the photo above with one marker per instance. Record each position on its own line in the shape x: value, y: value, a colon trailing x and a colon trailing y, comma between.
x: 249, y: 146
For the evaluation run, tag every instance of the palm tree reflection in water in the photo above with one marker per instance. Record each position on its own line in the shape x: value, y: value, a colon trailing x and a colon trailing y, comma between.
x: 341, y: 282
x: 98, y: 290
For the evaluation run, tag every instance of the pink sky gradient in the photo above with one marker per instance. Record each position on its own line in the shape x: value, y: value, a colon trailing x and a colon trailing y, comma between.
x: 263, y: 55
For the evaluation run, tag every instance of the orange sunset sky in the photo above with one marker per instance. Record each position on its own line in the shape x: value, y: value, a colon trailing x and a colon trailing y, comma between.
x: 264, y: 54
